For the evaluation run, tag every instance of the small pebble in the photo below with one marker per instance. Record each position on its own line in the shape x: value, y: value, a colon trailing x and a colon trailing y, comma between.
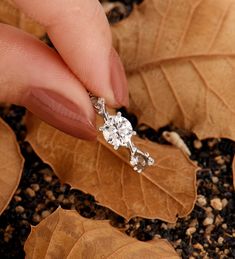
x: 36, y: 218
x: 72, y: 198
x: 164, y: 226
x: 216, y: 203
x: 224, y: 202
x: 190, y: 231
x: 60, y: 197
x: 30, y: 192
x: 19, y: 209
x: 18, y: 191
x: 177, y: 242
x: 45, y: 214
x: 219, y: 160
x: 65, y: 201
x: 197, y: 144
x: 218, y: 220
x: 50, y: 195
x: 208, y: 221
x: 171, y: 225
x: 17, y: 198
x: 40, y: 206
x: 47, y: 178
x: 35, y: 187
x: 201, y: 200
x: 224, y: 226
x: 212, y: 142
x: 220, y: 240
x: 198, y: 246
x: 208, y: 231
x: 215, y: 179
x: 193, y: 223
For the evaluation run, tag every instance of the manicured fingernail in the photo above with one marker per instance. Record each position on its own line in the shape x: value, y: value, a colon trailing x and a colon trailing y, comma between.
x: 60, y: 113
x: 118, y: 79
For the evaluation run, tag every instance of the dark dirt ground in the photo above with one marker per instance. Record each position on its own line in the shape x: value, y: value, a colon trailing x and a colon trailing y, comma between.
x: 208, y: 232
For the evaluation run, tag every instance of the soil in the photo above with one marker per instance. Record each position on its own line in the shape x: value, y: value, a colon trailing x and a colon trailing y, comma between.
x: 208, y: 232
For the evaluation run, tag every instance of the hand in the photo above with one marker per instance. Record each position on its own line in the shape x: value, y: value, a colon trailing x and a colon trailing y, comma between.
x: 54, y: 85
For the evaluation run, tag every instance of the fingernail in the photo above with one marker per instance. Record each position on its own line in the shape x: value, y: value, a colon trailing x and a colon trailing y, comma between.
x: 60, y: 113
x: 118, y: 79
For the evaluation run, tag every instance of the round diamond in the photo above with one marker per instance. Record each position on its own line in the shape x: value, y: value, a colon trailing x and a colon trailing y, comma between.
x: 117, y: 130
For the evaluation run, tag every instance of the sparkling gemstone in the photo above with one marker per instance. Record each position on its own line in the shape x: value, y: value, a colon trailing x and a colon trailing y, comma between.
x: 117, y: 130
x: 140, y: 161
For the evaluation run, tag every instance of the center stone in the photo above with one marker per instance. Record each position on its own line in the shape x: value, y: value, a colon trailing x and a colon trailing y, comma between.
x: 117, y: 131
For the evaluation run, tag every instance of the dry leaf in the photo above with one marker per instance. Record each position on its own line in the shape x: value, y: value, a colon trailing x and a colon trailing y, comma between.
x: 163, y: 191
x: 11, y: 15
x: 180, y: 61
x: 11, y: 165
x: 65, y: 234
x: 233, y: 169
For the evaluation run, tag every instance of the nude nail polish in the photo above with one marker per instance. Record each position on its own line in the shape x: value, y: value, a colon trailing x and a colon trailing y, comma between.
x: 60, y: 113
x: 118, y: 79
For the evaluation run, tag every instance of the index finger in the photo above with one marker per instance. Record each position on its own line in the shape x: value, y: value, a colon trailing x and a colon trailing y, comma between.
x: 80, y: 32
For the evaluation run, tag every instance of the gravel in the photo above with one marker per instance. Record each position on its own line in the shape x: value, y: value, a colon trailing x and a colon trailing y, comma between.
x: 208, y: 232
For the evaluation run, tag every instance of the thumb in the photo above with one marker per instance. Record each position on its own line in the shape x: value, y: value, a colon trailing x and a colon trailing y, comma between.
x: 33, y: 75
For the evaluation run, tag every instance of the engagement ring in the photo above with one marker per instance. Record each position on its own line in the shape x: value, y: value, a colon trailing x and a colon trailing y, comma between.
x: 118, y: 132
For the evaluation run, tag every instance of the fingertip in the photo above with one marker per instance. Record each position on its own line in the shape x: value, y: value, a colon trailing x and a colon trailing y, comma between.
x: 60, y: 113
x: 118, y: 79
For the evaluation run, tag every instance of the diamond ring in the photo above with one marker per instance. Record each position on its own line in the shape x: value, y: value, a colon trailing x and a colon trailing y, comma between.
x: 118, y: 132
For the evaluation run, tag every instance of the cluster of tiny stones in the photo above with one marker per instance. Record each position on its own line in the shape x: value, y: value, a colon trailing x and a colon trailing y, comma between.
x: 118, y: 131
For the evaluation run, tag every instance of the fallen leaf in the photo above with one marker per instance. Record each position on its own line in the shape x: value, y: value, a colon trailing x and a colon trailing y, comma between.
x: 11, y: 165
x: 65, y: 234
x: 165, y: 190
x: 180, y: 62
x: 233, y: 169
x: 11, y: 15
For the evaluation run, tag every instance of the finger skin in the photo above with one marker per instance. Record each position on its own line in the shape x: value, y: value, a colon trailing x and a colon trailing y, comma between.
x: 80, y: 32
x: 33, y: 75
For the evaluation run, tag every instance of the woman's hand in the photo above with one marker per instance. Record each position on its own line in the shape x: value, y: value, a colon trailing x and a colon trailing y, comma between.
x: 54, y: 85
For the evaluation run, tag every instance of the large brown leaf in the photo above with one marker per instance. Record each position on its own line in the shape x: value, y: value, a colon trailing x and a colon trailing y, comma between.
x: 11, y: 15
x: 162, y: 191
x: 65, y: 234
x: 180, y: 60
x: 11, y: 165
